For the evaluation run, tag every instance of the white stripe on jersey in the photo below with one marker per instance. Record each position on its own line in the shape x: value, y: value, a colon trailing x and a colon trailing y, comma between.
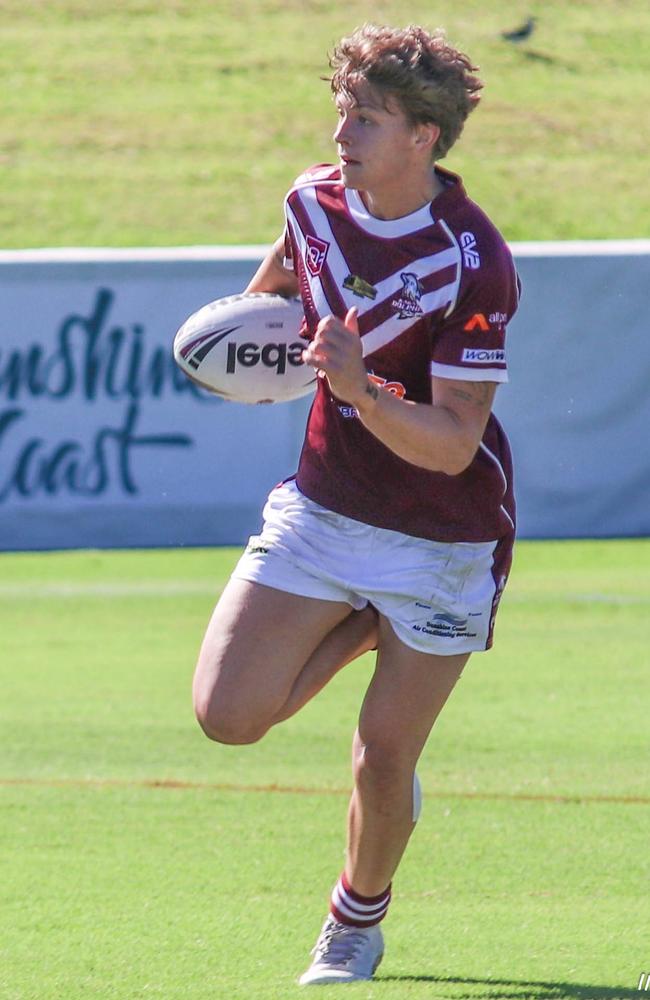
x: 339, y: 268
x: 422, y: 267
x: 496, y: 461
x: 454, y: 242
x: 392, y: 327
x: 392, y: 285
x: 319, y: 298
x: 512, y: 523
x: 319, y: 175
x: 467, y: 374
x: 336, y: 261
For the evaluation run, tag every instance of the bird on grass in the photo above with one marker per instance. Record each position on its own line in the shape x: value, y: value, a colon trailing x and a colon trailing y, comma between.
x: 521, y: 33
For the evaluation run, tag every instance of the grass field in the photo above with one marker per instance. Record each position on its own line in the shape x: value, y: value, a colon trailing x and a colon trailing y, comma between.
x: 184, y: 121
x: 138, y: 860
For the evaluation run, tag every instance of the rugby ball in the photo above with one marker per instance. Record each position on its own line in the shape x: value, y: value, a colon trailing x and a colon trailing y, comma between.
x: 247, y: 348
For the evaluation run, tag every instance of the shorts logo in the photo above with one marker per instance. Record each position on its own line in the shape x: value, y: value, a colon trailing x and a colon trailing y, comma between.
x: 315, y: 255
x: 407, y: 302
x: 477, y: 356
x: 447, y: 627
x: 470, y: 253
x: 478, y: 321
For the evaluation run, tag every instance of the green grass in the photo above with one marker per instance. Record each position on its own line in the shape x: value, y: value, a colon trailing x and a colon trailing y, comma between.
x: 138, y: 860
x: 178, y: 122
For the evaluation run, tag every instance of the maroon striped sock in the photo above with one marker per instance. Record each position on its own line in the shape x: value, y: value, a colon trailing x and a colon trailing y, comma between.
x: 350, y: 907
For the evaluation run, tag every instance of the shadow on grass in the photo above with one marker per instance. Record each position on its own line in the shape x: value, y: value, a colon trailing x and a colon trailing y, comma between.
x: 516, y: 989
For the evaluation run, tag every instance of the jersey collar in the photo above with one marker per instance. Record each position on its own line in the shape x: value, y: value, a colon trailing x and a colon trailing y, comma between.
x: 412, y: 223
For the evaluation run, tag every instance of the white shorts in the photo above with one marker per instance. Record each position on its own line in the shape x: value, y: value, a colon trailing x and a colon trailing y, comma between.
x: 439, y: 597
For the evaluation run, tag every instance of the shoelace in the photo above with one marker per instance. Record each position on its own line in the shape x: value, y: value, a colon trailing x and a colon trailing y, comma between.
x: 338, y: 944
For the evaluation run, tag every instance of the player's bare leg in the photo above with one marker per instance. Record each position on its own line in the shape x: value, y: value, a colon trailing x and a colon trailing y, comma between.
x: 356, y: 634
x: 265, y: 653
x: 405, y: 696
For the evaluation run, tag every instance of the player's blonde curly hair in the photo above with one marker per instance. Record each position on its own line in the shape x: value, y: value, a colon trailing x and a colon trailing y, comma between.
x: 430, y: 80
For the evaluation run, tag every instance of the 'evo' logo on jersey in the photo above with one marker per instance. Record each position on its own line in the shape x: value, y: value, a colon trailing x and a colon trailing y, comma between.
x: 470, y: 253
x: 315, y: 254
x: 476, y: 356
x: 276, y: 356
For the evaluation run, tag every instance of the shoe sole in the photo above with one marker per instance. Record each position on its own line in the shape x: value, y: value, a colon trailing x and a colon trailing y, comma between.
x: 330, y: 978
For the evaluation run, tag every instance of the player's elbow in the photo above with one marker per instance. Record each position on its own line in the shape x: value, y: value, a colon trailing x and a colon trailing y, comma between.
x: 460, y: 459
x: 453, y: 460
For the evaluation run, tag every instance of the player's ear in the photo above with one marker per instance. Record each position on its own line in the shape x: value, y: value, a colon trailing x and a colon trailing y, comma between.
x: 426, y: 135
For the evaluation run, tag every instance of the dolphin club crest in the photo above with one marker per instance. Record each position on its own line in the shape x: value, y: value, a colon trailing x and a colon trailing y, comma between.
x: 407, y: 302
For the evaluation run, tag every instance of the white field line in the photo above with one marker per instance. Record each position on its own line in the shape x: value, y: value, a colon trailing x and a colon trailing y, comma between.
x: 27, y: 591
x: 75, y: 591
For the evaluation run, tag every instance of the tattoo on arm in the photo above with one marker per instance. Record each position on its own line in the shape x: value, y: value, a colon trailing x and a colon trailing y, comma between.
x: 372, y: 389
x: 477, y: 393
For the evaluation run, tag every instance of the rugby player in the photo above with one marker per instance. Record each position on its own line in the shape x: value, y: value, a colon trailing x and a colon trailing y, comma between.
x: 396, y: 531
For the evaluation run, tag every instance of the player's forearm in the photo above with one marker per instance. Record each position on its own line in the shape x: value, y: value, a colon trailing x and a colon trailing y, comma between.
x: 273, y: 276
x: 432, y: 437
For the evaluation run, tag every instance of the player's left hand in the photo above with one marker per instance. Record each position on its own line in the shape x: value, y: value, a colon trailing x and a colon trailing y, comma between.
x: 336, y: 350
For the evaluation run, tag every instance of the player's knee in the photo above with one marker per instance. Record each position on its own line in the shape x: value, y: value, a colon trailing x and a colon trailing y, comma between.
x: 386, y: 772
x: 224, y: 726
x: 382, y: 764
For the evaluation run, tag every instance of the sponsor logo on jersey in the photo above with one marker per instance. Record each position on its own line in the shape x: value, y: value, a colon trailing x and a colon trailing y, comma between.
x: 360, y: 287
x: 498, y: 318
x: 408, y: 301
x: 479, y: 356
x: 470, y: 253
x: 315, y: 254
x: 396, y: 388
x: 477, y: 322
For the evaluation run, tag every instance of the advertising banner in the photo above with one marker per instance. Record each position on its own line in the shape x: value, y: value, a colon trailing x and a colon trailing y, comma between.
x: 105, y: 443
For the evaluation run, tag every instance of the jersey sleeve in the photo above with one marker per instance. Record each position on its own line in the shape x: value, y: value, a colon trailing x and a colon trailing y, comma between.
x: 469, y: 341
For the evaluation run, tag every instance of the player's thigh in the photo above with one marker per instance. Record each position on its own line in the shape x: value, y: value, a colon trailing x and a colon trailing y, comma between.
x: 406, y: 694
x: 255, y: 645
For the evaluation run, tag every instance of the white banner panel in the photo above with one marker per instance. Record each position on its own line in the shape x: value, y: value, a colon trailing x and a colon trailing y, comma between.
x: 104, y: 443
x: 577, y: 407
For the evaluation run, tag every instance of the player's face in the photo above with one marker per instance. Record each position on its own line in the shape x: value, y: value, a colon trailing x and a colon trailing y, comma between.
x: 375, y: 140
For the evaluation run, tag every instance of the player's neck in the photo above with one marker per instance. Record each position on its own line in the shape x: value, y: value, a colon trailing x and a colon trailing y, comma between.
x: 405, y: 198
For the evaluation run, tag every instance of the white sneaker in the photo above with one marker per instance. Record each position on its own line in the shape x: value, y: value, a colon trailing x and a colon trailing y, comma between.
x: 344, y: 954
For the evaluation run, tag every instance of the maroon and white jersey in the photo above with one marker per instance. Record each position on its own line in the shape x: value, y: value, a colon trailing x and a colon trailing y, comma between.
x: 434, y: 291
